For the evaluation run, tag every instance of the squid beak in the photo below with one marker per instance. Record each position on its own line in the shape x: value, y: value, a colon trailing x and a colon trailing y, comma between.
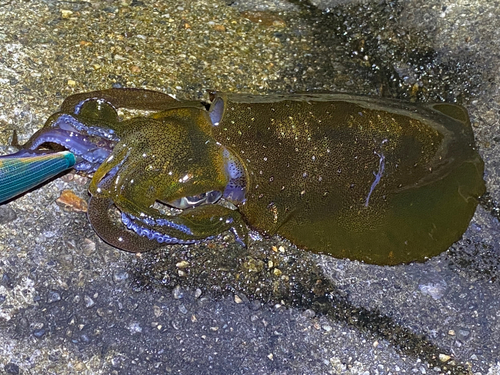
x: 19, y: 174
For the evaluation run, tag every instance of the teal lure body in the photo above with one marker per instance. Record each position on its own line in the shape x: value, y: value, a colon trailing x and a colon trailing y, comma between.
x: 376, y: 180
x: 20, y: 174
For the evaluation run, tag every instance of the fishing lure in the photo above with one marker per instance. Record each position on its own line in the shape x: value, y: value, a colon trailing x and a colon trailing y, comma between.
x: 20, y: 173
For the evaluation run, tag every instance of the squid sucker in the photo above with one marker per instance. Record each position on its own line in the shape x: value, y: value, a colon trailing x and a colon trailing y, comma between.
x: 376, y: 180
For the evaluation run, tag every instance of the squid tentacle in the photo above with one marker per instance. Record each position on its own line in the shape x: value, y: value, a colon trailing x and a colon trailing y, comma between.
x: 131, y: 223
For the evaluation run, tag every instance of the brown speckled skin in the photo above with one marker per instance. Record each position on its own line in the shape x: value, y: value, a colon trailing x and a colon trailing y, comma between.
x: 380, y: 181
x: 161, y: 158
x: 311, y: 161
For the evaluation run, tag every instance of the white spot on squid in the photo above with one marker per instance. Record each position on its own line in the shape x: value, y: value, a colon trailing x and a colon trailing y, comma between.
x: 185, y: 178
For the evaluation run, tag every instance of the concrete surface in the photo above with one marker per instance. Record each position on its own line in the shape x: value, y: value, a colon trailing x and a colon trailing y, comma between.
x: 71, y: 304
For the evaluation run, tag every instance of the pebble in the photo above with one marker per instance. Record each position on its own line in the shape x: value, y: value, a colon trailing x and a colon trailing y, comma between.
x: 71, y: 202
x: 84, y: 338
x: 53, y: 296
x: 120, y: 276
x: 241, y: 298
x: 38, y: 333
x: 219, y: 27
x: 308, y: 313
x: 157, y: 311
x: 183, y: 310
x: 88, y: 247
x: 7, y: 281
x: 89, y: 302
x: 182, y: 264
x: 444, y: 357
x: 11, y: 369
x: 177, y: 292
x: 255, y: 305
x: 7, y: 214
x: 435, y: 290
x: 66, y: 13
x: 135, y: 327
x: 326, y: 328
x: 463, y: 333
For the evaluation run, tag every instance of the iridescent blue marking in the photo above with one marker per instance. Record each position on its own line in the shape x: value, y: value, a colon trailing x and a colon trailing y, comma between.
x: 378, y: 176
x: 89, y: 153
x: 70, y: 123
x: 164, y: 223
x: 78, y: 107
x: 129, y: 222
x: 78, y: 144
x: 216, y: 111
x: 235, y: 189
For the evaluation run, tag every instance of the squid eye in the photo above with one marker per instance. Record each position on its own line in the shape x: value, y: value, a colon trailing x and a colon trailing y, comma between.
x: 208, y: 197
